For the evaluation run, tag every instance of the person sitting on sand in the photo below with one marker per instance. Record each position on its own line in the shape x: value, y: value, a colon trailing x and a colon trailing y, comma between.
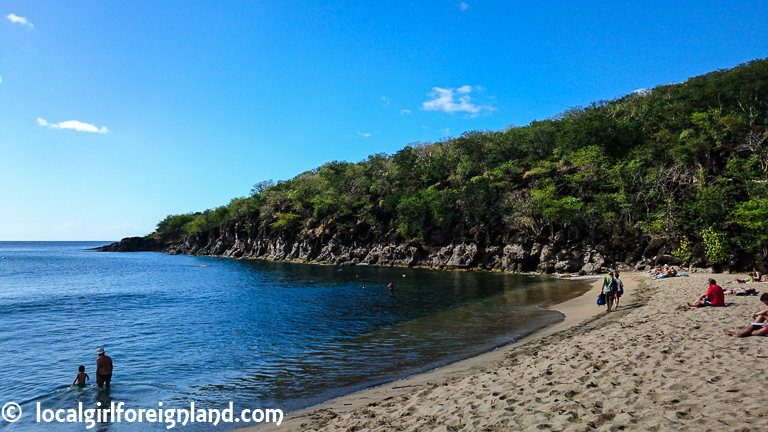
x: 103, y: 369
x: 80, y: 378
x: 759, y: 324
x: 713, y: 297
x: 758, y: 275
x: 751, y: 279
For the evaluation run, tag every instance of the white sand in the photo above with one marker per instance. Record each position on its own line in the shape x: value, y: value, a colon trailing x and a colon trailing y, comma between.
x: 652, y: 365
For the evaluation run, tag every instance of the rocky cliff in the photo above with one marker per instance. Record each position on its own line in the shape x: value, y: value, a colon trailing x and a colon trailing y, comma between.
x: 566, y: 251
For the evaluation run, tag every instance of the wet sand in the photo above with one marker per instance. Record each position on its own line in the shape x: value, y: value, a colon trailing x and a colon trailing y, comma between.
x: 652, y: 365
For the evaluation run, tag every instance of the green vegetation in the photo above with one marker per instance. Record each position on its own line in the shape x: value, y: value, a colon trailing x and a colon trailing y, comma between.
x: 683, y: 161
x: 685, y: 251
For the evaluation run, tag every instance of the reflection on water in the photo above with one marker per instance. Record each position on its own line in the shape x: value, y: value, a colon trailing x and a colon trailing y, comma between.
x: 259, y: 334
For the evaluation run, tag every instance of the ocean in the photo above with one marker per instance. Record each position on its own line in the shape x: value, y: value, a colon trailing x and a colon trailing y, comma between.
x: 259, y: 334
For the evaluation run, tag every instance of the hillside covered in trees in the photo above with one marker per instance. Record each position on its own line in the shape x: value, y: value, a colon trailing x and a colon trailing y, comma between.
x: 674, y: 174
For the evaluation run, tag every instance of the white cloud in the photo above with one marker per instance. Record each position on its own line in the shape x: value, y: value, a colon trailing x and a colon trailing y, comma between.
x: 451, y: 101
x: 463, y: 6
x: 425, y: 127
x: 641, y: 91
x: 385, y: 101
x: 19, y: 20
x: 73, y: 124
x: 405, y: 111
x: 1, y: 79
x: 446, y: 131
x: 364, y: 135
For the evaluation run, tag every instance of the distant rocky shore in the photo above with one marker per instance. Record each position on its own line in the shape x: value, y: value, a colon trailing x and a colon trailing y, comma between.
x: 565, y: 252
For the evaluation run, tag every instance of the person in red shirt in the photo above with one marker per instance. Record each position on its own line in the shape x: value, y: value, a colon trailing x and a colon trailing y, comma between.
x: 713, y: 297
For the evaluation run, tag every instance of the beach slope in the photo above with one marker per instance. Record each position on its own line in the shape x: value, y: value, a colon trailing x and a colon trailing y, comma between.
x: 652, y: 365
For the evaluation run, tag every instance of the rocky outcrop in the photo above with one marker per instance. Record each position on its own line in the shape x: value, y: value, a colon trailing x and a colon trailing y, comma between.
x: 134, y: 244
x: 566, y: 251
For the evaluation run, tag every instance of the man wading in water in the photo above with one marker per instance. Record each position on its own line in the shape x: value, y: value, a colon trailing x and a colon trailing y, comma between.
x: 103, y: 368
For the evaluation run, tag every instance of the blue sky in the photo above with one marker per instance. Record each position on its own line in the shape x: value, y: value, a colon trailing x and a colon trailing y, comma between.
x: 116, y: 114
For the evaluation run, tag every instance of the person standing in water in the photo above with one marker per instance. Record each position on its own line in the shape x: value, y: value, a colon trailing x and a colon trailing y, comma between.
x: 391, y: 286
x: 103, y: 369
x: 80, y: 378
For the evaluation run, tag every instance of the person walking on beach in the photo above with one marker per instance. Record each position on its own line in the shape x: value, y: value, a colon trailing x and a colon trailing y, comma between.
x: 609, y: 288
x: 103, y: 369
x: 759, y: 324
x: 715, y: 296
x: 619, y: 290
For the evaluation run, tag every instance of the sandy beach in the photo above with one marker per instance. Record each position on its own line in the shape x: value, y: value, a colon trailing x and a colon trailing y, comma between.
x: 652, y: 365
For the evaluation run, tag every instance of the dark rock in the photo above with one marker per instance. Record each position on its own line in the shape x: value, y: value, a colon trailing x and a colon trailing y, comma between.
x: 653, y: 247
x: 662, y: 259
x: 463, y: 256
x: 567, y: 266
x: 134, y: 244
x: 514, y: 256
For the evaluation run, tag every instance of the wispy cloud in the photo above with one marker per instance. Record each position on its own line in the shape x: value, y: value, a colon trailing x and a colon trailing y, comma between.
x: 73, y: 124
x: 446, y: 131
x: 452, y: 100
x: 70, y: 225
x: 385, y: 101
x: 463, y: 6
x: 19, y: 20
x: 1, y: 79
x: 405, y: 111
x: 364, y: 135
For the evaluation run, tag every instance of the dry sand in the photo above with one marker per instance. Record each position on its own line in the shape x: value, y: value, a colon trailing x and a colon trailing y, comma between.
x: 652, y: 365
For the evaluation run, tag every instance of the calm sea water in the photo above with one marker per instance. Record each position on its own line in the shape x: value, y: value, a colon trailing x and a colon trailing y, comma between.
x: 259, y: 334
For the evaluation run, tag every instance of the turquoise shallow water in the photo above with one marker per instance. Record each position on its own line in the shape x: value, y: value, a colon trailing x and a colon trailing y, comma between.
x: 259, y: 334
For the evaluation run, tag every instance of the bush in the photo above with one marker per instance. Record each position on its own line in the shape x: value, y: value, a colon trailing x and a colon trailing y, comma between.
x: 717, y: 246
x: 685, y: 251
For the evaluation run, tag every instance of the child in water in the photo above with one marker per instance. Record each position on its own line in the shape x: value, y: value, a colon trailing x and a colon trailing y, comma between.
x: 80, y: 378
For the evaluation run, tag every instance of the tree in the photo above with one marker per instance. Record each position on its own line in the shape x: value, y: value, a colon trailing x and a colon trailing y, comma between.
x: 752, y: 217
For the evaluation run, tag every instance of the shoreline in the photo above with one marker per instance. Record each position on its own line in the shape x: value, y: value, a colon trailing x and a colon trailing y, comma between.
x: 652, y: 365
x: 576, y: 310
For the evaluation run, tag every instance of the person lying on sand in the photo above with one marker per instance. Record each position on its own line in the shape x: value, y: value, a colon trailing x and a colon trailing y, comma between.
x: 666, y: 273
x: 713, y: 297
x: 740, y: 291
x: 759, y: 324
